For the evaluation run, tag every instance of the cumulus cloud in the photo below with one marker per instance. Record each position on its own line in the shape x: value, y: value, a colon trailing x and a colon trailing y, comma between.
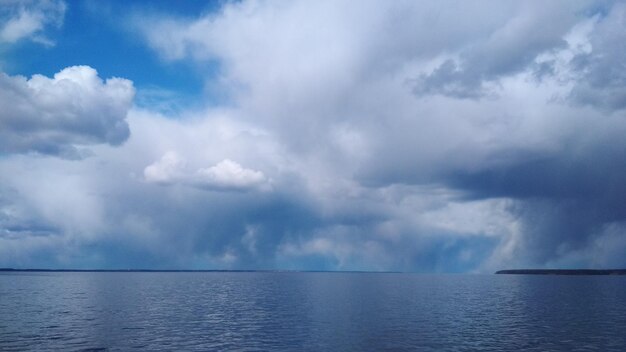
x: 228, y: 174
x: 166, y: 170
x: 57, y: 115
x: 225, y: 175
x: 30, y: 19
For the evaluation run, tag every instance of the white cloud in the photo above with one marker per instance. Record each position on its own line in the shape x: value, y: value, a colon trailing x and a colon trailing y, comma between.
x: 228, y: 174
x: 23, y: 25
x: 225, y: 175
x: 30, y: 19
x: 168, y: 169
x: 56, y: 115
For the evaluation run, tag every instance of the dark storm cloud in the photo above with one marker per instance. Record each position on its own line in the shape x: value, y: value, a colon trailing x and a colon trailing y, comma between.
x: 565, y: 200
x: 569, y: 199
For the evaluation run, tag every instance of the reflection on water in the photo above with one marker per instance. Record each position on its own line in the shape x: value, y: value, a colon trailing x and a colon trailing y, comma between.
x: 310, y: 311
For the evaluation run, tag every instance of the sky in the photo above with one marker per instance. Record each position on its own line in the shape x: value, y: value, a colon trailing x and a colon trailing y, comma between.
x: 417, y: 136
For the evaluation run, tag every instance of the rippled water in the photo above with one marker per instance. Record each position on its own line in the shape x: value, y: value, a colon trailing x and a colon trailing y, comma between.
x: 310, y: 311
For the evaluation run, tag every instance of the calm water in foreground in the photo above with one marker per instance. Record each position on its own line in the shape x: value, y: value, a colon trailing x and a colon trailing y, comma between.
x: 310, y: 311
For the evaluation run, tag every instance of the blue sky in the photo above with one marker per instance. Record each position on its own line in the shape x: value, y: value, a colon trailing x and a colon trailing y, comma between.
x: 409, y: 136
x: 102, y: 35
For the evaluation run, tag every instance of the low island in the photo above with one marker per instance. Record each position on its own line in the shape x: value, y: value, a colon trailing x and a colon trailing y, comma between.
x: 563, y: 272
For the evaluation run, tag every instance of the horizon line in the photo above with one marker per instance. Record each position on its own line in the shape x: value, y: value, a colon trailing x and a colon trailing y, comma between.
x: 199, y: 270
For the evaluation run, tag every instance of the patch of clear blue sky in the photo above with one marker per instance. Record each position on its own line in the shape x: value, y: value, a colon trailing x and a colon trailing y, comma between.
x: 99, y: 34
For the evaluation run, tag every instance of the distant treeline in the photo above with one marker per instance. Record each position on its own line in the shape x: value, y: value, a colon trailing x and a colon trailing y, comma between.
x: 564, y: 272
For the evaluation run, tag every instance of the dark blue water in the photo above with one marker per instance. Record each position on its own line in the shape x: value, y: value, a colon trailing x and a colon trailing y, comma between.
x: 310, y: 311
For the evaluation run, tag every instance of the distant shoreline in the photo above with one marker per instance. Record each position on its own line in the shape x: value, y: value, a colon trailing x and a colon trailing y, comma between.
x: 563, y: 272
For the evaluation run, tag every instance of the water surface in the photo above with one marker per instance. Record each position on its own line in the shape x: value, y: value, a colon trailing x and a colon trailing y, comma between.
x: 310, y: 312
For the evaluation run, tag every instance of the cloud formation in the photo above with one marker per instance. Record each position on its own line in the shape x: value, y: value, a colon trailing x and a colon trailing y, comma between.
x: 30, y: 19
x: 418, y: 136
x: 225, y: 175
x: 56, y: 115
x: 525, y: 68
x: 602, y: 74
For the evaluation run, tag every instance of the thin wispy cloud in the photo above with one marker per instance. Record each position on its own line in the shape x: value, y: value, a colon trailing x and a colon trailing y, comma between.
x: 29, y: 20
